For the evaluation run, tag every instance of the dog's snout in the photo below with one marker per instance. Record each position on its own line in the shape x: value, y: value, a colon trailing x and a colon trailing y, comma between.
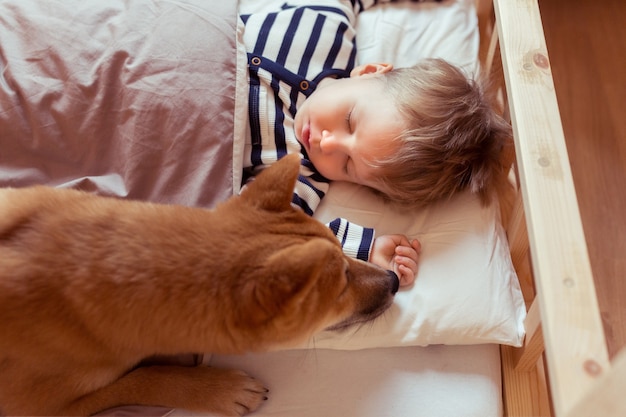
x: 395, y: 282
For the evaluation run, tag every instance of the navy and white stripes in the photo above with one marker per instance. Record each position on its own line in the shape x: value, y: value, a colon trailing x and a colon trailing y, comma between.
x: 291, y: 48
x: 289, y: 51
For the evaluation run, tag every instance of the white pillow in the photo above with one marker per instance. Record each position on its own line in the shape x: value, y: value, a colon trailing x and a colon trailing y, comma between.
x: 466, y: 291
x: 404, y: 32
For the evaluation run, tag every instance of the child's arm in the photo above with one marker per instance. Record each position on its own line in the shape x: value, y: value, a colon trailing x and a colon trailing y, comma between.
x: 393, y: 252
x: 310, y: 188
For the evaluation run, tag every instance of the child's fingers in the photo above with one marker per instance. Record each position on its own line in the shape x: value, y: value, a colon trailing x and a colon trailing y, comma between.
x: 407, y: 262
x: 407, y: 251
x: 407, y: 276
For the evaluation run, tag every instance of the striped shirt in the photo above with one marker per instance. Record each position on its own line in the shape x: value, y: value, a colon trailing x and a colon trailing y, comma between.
x: 291, y: 47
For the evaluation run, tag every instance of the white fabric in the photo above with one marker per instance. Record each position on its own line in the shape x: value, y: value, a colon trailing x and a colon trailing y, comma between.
x: 402, y: 33
x: 437, y: 381
x: 433, y: 381
x: 466, y: 290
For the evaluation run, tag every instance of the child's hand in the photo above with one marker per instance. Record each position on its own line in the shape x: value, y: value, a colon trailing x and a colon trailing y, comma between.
x: 394, y: 252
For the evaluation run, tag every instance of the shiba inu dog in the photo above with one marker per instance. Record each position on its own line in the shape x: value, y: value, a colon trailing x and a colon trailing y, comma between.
x: 90, y: 286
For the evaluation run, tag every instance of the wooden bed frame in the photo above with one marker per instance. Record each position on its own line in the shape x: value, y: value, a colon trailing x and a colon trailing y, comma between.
x: 563, y: 369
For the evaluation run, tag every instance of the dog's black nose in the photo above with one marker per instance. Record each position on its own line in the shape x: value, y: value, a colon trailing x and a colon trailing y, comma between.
x: 395, y: 281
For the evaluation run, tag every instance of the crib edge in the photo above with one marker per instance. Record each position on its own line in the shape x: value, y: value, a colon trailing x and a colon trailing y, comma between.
x: 545, y: 234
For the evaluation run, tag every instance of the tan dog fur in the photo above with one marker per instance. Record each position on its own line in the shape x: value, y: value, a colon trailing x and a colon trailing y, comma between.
x: 90, y: 286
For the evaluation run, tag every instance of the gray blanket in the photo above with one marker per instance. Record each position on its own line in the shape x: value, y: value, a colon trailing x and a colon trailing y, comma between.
x: 133, y: 98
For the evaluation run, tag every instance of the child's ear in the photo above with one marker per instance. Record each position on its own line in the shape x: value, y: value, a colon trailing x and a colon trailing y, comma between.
x: 372, y: 68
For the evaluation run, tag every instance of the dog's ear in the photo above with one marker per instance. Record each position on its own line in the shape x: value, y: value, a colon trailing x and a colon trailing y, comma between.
x: 273, y: 188
x: 280, y: 292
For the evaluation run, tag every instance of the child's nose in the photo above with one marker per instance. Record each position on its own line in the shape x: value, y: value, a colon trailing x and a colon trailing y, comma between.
x: 329, y: 142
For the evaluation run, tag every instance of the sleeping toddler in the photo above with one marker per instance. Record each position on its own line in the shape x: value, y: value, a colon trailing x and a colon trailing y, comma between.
x: 413, y: 135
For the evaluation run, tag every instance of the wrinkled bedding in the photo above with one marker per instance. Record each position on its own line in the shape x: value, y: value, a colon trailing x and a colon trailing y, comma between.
x: 128, y: 98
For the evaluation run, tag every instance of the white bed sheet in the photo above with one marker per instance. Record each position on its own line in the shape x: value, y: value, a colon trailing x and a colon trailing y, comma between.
x: 435, y: 381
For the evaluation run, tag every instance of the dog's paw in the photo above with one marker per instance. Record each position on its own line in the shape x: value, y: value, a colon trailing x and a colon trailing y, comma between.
x: 231, y: 392
x: 244, y: 393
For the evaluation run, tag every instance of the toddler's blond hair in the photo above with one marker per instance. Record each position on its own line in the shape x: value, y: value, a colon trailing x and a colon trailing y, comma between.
x: 453, y: 141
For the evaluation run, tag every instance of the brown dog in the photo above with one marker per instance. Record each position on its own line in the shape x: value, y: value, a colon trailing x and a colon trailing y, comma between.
x: 90, y: 286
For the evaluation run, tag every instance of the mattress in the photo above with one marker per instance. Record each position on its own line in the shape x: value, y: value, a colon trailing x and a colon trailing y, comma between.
x: 438, y: 380
x: 433, y: 381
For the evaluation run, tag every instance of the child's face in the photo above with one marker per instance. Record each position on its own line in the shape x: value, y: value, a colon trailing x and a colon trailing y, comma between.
x: 344, y: 124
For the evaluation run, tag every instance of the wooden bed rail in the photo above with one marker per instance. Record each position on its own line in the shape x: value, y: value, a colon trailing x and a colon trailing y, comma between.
x: 564, y: 319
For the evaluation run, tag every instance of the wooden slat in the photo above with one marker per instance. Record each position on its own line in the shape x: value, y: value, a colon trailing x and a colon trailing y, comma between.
x: 575, y: 346
x: 525, y: 394
x: 486, y: 27
x: 492, y: 50
x: 526, y: 357
x: 517, y: 235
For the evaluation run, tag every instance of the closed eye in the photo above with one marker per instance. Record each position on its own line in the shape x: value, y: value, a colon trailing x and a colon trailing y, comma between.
x: 349, y: 121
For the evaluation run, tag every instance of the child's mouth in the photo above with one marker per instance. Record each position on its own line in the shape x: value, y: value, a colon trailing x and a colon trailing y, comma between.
x: 306, y: 134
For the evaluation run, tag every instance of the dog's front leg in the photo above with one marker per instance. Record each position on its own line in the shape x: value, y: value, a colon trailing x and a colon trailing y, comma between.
x: 225, y: 392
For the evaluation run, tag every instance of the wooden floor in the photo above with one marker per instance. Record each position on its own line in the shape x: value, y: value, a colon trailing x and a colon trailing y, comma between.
x: 587, y: 47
